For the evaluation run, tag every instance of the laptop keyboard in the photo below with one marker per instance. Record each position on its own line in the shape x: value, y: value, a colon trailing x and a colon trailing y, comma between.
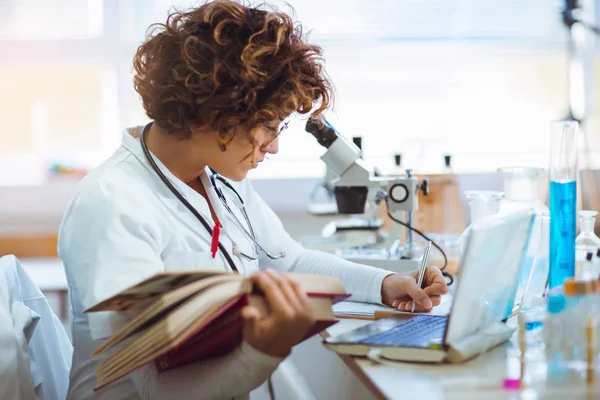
x: 416, y: 332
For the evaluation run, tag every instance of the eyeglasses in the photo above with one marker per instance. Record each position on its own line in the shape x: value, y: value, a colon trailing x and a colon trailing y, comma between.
x: 274, y: 135
x: 249, y: 232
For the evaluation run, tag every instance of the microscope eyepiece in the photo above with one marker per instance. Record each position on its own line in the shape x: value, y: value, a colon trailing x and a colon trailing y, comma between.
x: 341, y: 158
x: 322, y: 131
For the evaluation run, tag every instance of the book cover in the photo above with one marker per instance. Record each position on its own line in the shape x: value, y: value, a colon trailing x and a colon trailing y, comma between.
x: 224, y: 334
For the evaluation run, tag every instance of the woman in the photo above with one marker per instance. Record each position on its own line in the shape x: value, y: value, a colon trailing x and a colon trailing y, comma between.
x: 218, y: 83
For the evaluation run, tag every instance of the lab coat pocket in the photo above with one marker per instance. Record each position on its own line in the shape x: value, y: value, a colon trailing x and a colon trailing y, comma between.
x: 180, y: 260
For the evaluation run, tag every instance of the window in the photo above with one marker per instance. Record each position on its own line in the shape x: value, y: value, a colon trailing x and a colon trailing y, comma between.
x: 50, y: 19
x: 57, y: 86
x: 479, y: 79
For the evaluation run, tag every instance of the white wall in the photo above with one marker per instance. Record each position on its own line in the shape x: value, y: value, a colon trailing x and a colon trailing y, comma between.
x: 33, y: 209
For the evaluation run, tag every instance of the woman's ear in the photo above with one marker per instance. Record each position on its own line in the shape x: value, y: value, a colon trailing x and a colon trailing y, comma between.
x: 225, y: 138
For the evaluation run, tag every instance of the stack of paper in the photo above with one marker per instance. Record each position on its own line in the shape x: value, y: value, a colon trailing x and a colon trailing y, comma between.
x: 356, y: 309
x: 351, y: 309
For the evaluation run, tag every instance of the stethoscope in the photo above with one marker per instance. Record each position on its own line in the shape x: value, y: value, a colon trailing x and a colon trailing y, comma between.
x: 214, y: 177
x: 249, y: 234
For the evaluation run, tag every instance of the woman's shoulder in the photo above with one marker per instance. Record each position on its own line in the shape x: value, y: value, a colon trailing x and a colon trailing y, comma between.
x: 116, y: 185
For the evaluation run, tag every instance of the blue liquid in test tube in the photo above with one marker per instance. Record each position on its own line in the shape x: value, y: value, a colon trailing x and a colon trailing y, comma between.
x: 563, y: 201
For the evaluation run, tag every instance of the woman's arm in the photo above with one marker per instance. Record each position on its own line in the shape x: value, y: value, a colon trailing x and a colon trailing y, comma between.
x: 234, y: 374
x: 362, y: 281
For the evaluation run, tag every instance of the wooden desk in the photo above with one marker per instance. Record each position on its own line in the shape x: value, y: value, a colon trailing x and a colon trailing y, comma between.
x: 480, y: 378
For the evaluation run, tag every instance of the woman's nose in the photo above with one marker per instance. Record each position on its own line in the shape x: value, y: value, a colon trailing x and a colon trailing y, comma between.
x: 273, y: 147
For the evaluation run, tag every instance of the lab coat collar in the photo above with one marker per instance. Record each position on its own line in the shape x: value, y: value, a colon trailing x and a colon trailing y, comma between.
x: 133, y: 145
x: 218, y: 207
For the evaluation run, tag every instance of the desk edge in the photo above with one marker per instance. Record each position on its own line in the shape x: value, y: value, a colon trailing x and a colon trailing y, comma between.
x: 357, y: 371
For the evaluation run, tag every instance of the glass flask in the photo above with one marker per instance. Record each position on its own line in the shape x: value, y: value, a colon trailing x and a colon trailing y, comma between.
x: 586, y: 241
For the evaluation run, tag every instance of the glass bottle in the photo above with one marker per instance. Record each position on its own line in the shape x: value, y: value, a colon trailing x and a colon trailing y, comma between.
x: 581, y: 303
x: 586, y: 242
x: 554, y: 328
x: 596, y: 267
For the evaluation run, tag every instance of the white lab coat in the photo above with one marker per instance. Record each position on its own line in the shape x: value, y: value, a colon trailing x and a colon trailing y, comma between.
x: 35, y: 351
x: 124, y: 225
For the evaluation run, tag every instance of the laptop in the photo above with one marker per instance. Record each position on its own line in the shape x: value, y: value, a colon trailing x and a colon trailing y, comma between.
x: 489, y: 270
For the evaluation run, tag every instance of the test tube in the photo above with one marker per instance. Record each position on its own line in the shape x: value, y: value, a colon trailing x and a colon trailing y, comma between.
x: 522, y: 348
x: 563, y: 201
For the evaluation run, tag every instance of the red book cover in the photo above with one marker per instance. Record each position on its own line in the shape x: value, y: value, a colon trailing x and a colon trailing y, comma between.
x: 223, y: 335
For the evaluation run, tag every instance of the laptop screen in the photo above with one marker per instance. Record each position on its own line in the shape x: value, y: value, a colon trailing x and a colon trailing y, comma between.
x: 489, y: 270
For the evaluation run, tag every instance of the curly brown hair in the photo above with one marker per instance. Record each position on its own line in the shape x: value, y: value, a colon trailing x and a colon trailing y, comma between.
x: 223, y: 65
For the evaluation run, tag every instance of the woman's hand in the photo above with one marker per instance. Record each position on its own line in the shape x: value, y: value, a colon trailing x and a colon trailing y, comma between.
x: 290, y: 316
x: 399, y: 290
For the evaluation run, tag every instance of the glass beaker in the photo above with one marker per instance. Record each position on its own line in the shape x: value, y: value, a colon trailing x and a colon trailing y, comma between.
x: 521, y: 189
x: 586, y: 242
x: 482, y: 203
x: 563, y: 201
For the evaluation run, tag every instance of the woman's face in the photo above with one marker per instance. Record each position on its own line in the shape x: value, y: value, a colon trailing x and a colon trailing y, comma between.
x: 242, y: 155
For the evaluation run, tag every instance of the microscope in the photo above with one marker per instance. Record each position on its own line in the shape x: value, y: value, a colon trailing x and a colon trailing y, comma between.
x: 356, y: 186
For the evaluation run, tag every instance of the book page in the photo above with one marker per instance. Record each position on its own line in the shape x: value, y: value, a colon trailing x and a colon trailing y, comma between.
x: 177, y: 327
x: 162, y: 305
x: 168, y: 281
x: 153, y: 286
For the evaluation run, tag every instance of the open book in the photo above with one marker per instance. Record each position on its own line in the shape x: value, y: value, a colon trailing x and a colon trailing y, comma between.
x: 186, y: 316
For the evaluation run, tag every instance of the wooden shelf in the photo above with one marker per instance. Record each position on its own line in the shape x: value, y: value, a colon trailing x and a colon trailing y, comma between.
x: 34, y: 245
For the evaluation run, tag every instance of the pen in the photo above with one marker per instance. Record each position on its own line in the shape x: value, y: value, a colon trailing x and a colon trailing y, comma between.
x: 214, y: 245
x: 424, y: 262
